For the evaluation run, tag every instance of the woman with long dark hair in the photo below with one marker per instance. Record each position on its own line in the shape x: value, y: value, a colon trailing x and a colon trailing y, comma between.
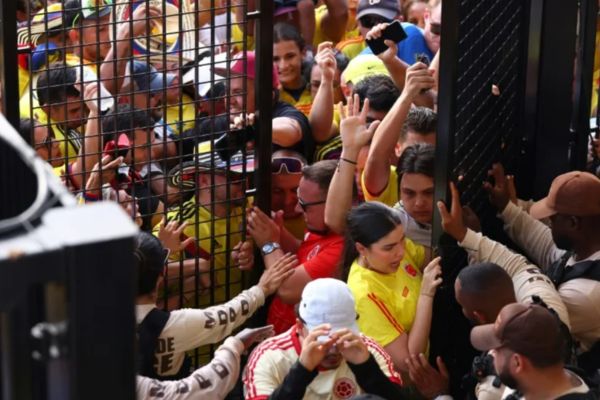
x: 394, y: 295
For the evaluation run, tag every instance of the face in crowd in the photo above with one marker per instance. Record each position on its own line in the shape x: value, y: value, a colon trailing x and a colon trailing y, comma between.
x: 285, y: 180
x: 287, y: 56
x: 46, y: 145
x: 311, y: 201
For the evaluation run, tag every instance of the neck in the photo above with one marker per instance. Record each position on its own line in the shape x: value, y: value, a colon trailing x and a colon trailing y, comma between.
x: 146, y: 299
x: 217, y: 209
x: 583, y: 250
x: 547, y: 383
x: 296, y: 84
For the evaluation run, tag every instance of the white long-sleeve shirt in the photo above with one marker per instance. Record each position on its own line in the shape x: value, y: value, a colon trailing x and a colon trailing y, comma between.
x: 581, y: 296
x: 189, y: 328
x: 528, y: 280
x: 211, y: 382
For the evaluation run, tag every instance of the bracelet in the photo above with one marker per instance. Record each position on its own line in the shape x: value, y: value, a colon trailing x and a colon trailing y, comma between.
x: 348, y: 161
x: 90, y: 196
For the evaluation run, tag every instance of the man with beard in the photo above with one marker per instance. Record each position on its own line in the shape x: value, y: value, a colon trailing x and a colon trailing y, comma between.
x: 568, y: 251
x: 528, y: 345
x: 318, y: 254
x: 323, y: 355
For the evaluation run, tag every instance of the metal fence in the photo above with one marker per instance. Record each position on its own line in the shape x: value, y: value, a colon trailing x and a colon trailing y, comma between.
x: 506, y: 95
x: 163, y: 84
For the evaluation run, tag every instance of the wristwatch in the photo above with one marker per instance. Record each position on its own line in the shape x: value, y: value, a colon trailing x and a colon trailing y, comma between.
x: 269, y: 247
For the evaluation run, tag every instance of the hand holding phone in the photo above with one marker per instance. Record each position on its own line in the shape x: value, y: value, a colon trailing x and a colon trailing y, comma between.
x: 392, y: 31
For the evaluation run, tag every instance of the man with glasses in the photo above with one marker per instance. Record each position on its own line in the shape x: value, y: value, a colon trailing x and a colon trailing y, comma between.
x: 286, y: 171
x: 433, y: 27
x: 318, y: 254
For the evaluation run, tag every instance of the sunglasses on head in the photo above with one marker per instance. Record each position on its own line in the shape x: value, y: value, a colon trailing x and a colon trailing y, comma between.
x: 435, y: 28
x: 286, y: 165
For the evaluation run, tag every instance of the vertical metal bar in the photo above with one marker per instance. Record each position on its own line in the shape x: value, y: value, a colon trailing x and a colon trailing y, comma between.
x: 446, y: 108
x: 584, y: 71
x: 264, y: 99
x: 8, y: 60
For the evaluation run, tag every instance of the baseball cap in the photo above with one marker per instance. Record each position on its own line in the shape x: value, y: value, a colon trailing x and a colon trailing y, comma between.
x: 386, y: 8
x: 147, y: 78
x: 575, y: 193
x: 47, y: 21
x: 528, y: 329
x: 328, y: 301
x: 245, y: 63
x: 362, y: 66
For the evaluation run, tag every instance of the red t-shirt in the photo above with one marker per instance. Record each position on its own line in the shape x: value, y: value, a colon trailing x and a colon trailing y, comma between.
x: 320, y: 256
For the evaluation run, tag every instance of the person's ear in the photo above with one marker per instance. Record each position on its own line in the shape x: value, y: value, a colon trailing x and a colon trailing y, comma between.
x: 517, y: 363
x: 398, y: 149
x: 575, y: 222
x: 362, y: 250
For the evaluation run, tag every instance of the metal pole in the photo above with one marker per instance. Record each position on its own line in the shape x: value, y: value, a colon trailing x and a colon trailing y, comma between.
x: 8, y: 59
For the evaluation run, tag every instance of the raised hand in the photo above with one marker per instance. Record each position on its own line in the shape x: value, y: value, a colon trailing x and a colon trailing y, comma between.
x: 351, y: 346
x: 499, y: 193
x: 262, y: 228
x: 418, y: 78
x: 273, y: 277
x: 432, y: 277
x: 428, y: 381
x: 325, y: 59
x: 353, y: 126
x: 375, y: 33
x: 243, y: 255
x: 314, y: 351
x: 97, y: 179
x: 453, y: 221
x: 169, y: 233
x: 249, y: 336
x: 90, y: 96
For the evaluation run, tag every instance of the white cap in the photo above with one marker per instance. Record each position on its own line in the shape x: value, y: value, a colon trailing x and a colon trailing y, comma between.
x: 328, y: 301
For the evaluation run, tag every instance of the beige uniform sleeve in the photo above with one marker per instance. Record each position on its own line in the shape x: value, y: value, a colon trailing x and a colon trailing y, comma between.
x: 531, y: 235
x: 527, y: 278
x: 192, y: 328
x: 212, y: 381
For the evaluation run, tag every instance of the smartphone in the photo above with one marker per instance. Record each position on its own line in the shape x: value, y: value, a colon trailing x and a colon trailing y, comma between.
x: 393, y: 32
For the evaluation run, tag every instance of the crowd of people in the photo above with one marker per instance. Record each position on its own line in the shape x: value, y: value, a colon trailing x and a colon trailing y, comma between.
x: 124, y: 110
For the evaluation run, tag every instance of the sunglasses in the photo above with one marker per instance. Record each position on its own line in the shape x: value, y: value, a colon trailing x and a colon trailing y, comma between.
x: 286, y: 165
x: 435, y: 28
x: 304, y: 205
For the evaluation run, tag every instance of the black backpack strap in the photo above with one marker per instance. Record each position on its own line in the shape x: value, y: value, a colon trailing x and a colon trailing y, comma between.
x: 556, y: 270
x: 148, y: 332
x: 584, y: 269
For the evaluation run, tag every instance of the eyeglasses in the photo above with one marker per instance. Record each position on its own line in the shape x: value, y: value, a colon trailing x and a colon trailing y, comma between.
x: 286, y: 165
x: 305, y: 205
x: 435, y: 28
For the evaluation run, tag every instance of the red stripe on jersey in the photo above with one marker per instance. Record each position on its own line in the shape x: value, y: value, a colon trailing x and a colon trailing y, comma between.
x: 385, y: 312
x: 282, y: 342
x: 192, y: 250
x: 372, y: 344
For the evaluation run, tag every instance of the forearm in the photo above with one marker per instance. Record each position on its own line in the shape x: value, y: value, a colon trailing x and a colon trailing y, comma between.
x: 271, y: 258
x: 321, y: 112
x: 372, y: 380
x: 89, y: 153
x: 397, y: 69
x: 286, y: 132
x: 418, y: 336
x: 377, y: 168
x: 294, y: 384
x: 339, y: 195
x: 530, y: 234
x: 112, y: 69
x: 289, y: 243
x: 334, y: 23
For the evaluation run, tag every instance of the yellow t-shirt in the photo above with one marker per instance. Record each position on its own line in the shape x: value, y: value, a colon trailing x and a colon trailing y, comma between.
x: 237, y: 38
x: 389, y: 196
x: 320, y: 36
x: 352, y: 47
x: 387, y: 303
x: 215, y: 246
x: 23, y: 81
x: 332, y: 148
x: 188, y: 115
x: 304, y: 102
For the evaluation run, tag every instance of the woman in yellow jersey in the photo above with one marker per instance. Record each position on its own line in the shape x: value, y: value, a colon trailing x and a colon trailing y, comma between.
x: 288, y: 51
x: 394, y: 295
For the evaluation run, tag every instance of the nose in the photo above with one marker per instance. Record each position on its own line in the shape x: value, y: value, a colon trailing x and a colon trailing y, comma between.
x: 298, y: 208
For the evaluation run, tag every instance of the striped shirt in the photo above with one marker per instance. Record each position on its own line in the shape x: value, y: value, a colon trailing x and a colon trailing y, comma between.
x: 270, y: 362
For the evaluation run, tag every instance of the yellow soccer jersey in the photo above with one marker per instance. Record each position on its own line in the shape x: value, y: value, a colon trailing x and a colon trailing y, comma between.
x: 303, y: 104
x: 320, y: 36
x: 387, y: 303
x: 389, y: 196
x: 352, y: 47
x: 271, y: 361
x: 187, y: 119
x: 214, y: 241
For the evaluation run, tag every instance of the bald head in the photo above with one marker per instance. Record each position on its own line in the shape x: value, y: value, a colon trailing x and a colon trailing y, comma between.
x: 482, y: 289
